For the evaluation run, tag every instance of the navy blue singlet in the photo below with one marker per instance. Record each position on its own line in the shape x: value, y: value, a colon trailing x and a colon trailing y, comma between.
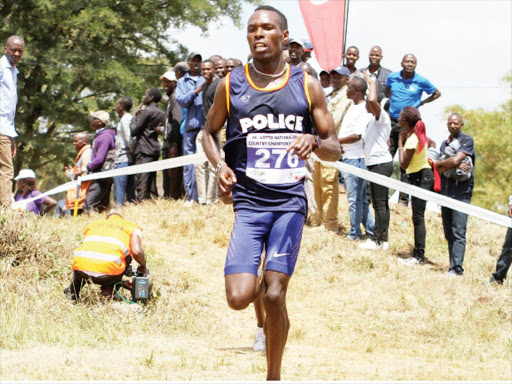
x: 281, y: 113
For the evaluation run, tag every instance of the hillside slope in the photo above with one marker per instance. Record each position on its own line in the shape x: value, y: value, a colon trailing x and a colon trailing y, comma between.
x: 355, y: 315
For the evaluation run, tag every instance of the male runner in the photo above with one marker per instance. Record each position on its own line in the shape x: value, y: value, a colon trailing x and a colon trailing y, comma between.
x: 270, y: 107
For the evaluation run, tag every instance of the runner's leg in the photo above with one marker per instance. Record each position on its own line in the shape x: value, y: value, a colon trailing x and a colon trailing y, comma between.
x: 277, y: 323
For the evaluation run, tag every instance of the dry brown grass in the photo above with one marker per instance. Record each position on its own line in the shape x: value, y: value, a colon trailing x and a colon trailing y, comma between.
x: 355, y: 315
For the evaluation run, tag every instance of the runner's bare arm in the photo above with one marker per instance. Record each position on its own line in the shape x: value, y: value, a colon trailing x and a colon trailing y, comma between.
x: 214, y: 122
x: 328, y: 148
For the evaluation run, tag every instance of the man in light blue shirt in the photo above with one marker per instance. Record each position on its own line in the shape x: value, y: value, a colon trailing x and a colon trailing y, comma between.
x: 189, y: 95
x: 13, y: 50
x: 405, y: 88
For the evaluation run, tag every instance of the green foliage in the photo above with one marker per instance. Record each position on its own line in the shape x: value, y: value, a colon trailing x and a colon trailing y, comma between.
x: 82, y: 55
x: 492, y: 133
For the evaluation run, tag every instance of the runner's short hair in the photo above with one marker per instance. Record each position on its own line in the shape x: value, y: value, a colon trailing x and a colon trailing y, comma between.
x: 283, y: 22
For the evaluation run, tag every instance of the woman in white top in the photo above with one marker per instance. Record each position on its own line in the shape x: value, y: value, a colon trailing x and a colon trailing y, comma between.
x: 378, y: 160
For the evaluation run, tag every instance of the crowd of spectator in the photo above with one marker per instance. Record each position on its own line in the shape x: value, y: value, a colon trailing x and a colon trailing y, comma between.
x: 376, y: 115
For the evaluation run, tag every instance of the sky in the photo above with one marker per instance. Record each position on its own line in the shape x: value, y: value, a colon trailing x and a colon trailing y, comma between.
x: 463, y: 47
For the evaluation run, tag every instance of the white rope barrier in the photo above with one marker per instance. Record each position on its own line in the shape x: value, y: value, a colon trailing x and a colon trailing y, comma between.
x: 409, y: 189
x: 420, y: 193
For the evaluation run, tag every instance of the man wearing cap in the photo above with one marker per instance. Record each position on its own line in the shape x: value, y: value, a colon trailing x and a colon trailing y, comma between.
x: 377, y: 73
x: 102, y: 159
x: 172, y: 178
x: 188, y: 95
x: 326, y: 178
x: 296, y: 51
x: 144, y: 127
x: 308, y: 48
x: 13, y: 50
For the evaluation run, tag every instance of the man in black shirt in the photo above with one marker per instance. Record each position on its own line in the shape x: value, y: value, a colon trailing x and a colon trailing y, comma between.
x: 172, y: 178
x: 206, y: 178
x: 377, y: 72
x: 144, y: 127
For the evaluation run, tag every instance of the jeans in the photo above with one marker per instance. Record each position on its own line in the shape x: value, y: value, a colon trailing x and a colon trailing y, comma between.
x: 505, y: 258
x: 423, y: 179
x: 380, y: 203
x: 61, y: 211
x: 124, y: 187
x: 454, y: 224
x: 358, y: 207
x: 189, y: 174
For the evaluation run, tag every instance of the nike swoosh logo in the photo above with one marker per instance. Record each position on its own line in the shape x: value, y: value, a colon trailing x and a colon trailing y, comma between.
x: 280, y: 254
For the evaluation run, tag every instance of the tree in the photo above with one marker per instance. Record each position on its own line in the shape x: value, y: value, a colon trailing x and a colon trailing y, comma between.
x: 82, y: 55
x: 492, y: 133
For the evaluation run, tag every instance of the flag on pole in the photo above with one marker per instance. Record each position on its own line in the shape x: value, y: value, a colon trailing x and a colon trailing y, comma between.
x: 325, y: 23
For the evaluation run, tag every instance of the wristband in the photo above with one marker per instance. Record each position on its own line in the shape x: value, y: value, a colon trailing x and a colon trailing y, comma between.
x: 317, y: 143
x: 220, y: 164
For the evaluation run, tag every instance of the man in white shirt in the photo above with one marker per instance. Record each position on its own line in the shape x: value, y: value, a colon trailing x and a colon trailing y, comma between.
x: 13, y: 50
x: 124, y: 186
x: 352, y: 128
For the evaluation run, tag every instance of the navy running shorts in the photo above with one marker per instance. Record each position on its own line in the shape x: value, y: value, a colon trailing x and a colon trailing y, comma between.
x: 279, y: 232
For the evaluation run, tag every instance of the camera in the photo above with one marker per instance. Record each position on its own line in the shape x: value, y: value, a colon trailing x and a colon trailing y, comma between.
x: 141, y: 284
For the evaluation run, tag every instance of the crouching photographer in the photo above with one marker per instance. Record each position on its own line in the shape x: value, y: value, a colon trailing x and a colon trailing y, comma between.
x: 105, y: 255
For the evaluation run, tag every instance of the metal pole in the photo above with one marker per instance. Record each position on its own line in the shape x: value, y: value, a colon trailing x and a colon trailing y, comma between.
x: 345, y: 32
x: 75, y: 210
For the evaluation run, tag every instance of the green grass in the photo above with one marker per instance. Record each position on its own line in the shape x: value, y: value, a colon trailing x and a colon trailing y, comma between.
x: 355, y: 315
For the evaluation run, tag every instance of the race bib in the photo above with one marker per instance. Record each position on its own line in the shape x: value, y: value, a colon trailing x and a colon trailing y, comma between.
x: 268, y: 162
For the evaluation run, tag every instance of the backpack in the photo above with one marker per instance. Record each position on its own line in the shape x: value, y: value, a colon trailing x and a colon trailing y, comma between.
x: 110, y: 160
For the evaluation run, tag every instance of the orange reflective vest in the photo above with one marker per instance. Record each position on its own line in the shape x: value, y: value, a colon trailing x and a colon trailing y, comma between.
x: 82, y: 158
x: 105, y: 247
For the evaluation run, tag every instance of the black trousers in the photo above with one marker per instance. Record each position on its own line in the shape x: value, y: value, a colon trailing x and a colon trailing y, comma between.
x: 423, y: 179
x: 146, y: 182
x: 98, y: 196
x: 393, y: 147
x: 172, y: 178
x: 505, y: 259
x: 80, y: 278
x: 380, y: 198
